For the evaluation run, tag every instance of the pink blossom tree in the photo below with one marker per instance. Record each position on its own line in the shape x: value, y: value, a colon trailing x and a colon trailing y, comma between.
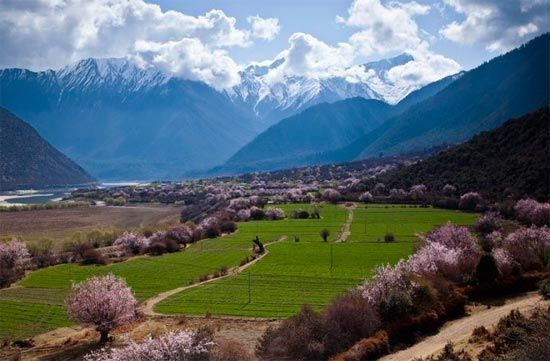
x: 104, y: 302
x: 331, y: 195
x: 182, y: 234
x: 172, y: 346
x: 14, y: 257
x: 418, y: 192
x: 530, y: 247
x: 449, y: 190
x: 274, y: 213
x: 132, y: 243
x: 470, y: 201
x: 366, y: 197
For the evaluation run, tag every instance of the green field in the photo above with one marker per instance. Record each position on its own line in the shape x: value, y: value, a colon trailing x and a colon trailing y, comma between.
x: 312, y: 271
x: 291, y: 274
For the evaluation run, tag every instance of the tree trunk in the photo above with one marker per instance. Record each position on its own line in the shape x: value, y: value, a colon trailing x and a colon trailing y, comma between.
x: 104, y: 336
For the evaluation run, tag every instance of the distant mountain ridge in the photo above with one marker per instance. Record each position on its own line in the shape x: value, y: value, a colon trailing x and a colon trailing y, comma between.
x: 123, y: 122
x: 28, y: 161
x: 296, y: 140
x: 274, y: 100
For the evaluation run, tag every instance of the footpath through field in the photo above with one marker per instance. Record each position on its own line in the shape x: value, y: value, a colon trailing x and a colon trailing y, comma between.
x: 149, y: 304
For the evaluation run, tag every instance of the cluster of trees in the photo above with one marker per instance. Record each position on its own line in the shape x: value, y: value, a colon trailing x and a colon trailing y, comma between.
x: 416, y: 295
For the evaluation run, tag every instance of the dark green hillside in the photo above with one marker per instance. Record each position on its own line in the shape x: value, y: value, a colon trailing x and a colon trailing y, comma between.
x: 513, y: 159
x: 28, y: 161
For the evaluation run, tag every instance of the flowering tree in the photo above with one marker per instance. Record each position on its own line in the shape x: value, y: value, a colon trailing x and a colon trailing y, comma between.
x: 181, y: 234
x: 449, y: 190
x: 14, y: 257
x: 398, y: 194
x: 504, y: 260
x: 172, y: 346
x: 132, y: 243
x: 488, y: 223
x: 104, y: 302
x: 418, y: 191
x: 530, y: 247
x: 380, y: 188
x: 365, y: 197
x: 274, y: 213
x: 238, y: 203
x: 532, y: 212
x: 470, y: 201
x: 209, y: 227
x: 386, y: 280
x: 243, y: 215
x: 332, y: 195
x: 451, y: 236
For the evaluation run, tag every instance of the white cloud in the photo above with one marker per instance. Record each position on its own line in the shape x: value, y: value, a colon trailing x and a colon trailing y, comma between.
x: 498, y: 25
x: 39, y: 34
x: 190, y: 59
x: 426, y: 67
x: 266, y: 29
x: 384, y: 29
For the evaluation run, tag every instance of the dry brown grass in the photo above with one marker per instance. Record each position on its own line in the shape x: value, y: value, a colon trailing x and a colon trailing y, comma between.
x: 61, y: 224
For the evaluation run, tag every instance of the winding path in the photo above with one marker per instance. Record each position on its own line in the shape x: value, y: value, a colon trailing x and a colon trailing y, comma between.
x: 345, y: 231
x: 461, y: 329
x: 150, y: 304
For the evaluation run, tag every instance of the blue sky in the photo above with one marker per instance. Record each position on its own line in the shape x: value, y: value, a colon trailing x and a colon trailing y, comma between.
x: 317, y: 17
x: 212, y: 40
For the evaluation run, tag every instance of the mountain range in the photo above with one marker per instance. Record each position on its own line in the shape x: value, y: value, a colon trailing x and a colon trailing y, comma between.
x: 124, y: 122
x: 27, y: 160
x: 481, y: 99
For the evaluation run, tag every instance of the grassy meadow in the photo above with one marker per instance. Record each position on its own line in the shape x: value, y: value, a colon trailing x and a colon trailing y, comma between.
x: 309, y: 271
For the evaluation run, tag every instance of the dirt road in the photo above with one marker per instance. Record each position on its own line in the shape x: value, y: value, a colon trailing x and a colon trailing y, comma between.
x: 461, y: 329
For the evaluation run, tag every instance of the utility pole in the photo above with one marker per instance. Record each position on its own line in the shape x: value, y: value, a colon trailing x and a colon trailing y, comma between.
x: 331, y: 256
x: 249, y: 289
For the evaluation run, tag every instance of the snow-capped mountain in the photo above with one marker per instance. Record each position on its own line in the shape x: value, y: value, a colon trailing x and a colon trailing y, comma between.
x: 123, y: 122
x: 272, y: 101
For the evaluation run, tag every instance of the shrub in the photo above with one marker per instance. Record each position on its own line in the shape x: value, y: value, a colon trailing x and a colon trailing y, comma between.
x: 228, y: 227
x: 325, y: 233
x: 487, y: 270
x: 132, y: 243
x: 389, y: 237
x: 257, y: 214
x: 157, y: 248
x: 93, y: 256
x: 171, y: 246
x: 530, y: 247
x: 544, y: 288
x: 470, y: 201
x: 349, y: 319
x: 104, y: 302
x: 273, y: 213
x: 331, y: 195
x: 300, y: 214
x: 42, y: 253
x: 172, y: 346
x: 296, y: 338
x: 395, y: 305
x: 229, y: 350
x: 370, y: 348
x: 182, y: 234
x: 488, y: 223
